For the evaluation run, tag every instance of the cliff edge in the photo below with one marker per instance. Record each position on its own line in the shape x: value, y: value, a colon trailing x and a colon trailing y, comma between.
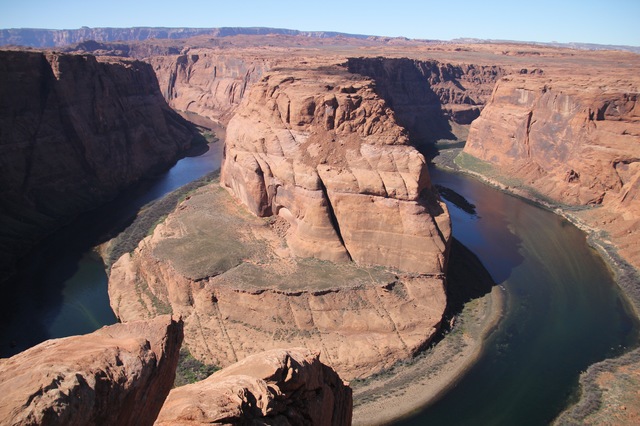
x: 74, y: 131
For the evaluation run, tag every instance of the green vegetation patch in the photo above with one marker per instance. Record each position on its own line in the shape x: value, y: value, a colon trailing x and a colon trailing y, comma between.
x: 190, y: 370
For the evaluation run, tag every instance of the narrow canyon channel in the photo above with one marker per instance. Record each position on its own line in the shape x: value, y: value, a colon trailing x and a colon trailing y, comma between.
x: 564, y: 311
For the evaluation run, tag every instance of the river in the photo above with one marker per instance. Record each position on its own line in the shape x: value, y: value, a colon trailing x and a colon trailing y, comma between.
x: 61, y: 289
x: 564, y: 310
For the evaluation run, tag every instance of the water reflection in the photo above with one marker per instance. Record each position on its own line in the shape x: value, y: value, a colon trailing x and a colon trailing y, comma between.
x: 564, y: 312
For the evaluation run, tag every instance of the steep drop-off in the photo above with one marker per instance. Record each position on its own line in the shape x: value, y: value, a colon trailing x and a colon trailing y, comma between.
x: 573, y: 139
x: 120, y: 374
x: 207, y: 82
x: 74, y: 131
x: 321, y: 150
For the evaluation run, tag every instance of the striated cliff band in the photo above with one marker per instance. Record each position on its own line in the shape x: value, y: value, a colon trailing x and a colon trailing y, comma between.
x: 75, y: 130
x: 344, y: 250
x: 572, y: 140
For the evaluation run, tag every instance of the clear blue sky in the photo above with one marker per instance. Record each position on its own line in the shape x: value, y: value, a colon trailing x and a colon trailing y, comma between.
x: 589, y: 21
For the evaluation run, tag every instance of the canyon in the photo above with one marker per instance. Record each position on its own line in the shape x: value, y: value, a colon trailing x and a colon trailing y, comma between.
x: 76, y: 130
x: 323, y: 229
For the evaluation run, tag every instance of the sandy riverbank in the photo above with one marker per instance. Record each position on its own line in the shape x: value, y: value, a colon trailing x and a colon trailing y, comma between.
x: 411, y: 386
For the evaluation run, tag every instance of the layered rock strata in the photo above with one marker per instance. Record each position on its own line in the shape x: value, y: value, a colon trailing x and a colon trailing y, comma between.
x: 575, y: 140
x: 120, y: 374
x: 74, y: 131
x: 277, y: 387
x: 321, y: 150
x: 205, y: 81
x: 233, y: 279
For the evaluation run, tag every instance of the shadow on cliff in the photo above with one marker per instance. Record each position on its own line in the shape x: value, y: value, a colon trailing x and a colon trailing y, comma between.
x: 405, y: 86
x: 60, y: 287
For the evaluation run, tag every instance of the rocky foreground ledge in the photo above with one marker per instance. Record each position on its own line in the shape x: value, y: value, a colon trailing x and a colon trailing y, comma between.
x: 118, y: 375
x: 122, y: 374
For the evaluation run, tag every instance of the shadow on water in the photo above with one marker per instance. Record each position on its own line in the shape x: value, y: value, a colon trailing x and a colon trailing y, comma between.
x: 467, y: 278
x: 61, y: 286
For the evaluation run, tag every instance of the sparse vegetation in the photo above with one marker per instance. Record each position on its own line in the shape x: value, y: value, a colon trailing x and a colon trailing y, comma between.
x: 148, y: 218
x: 190, y: 370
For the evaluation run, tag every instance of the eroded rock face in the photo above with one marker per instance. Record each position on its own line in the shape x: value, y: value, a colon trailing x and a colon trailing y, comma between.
x: 232, y: 278
x: 120, y: 374
x: 74, y: 131
x: 574, y: 139
x: 430, y: 98
x: 277, y: 387
x: 320, y: 149
x: 207, y: 82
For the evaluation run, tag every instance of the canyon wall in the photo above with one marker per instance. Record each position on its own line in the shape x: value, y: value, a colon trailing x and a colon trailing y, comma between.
x: 276, y: 387
x: 206, y: 82
x: 75, y: 130
x: 573, y: 139
x: 432, y: 100
x: 321, y: 150
x: 120, y: 374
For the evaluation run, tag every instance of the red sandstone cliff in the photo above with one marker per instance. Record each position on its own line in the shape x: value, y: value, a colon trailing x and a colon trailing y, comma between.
x: 319, y: 153
x: 320, y: 149
x: 430, y: 99
x: 279, y: 387
x: 74, y: 130
x: 574, y: 139
x: 205, y: 81
x: 118, y: 375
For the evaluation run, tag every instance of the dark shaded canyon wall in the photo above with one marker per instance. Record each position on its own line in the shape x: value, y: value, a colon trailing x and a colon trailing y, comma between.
x: 432, y: 100
x: 74, y: 130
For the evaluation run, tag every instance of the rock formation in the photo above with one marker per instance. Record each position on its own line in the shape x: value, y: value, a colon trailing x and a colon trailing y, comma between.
x: 320, y: 154
x: 233, y: 279
x: 277, y: 387
x: 574, y: 139
x: 75, y: 131
x: 431, y: 99
x: 120, y: 374
x: 205, y: 81
x: 321, y: 150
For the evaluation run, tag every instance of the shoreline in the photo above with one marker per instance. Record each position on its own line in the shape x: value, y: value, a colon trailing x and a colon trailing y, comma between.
x: 590, y: 400
x: 395, y: 395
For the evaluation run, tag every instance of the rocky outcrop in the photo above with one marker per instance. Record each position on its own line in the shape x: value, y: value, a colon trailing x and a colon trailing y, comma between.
x: 321, y: 150
x: 283, y: 387
x: 207, y: 82
x: 74, y: 131
x: 232, y: 278
x: 431, y: 99
x: 120, y: 374
x: 574, y: 139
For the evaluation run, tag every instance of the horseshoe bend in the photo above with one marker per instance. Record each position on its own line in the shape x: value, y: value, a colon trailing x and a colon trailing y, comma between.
x: 323, y: 229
